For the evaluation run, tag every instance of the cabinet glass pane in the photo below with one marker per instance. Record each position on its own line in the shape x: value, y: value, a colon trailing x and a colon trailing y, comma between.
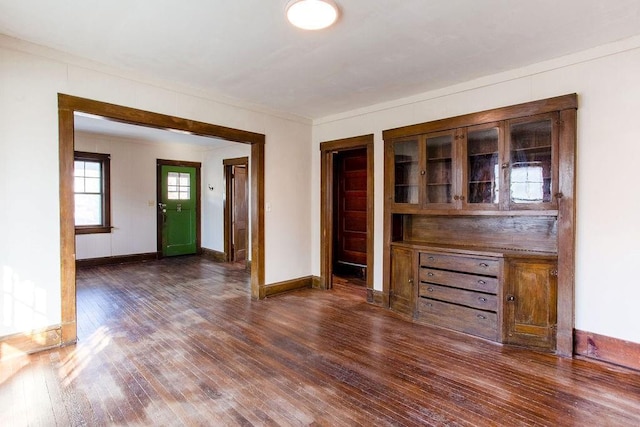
x: 483, y: 166
x: 530, y: 162
x: 407, y: 173
x: 439, y: 176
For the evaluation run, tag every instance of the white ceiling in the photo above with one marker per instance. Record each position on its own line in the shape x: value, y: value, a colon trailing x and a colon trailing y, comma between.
x: 379, y: 50
x: 102, y: 126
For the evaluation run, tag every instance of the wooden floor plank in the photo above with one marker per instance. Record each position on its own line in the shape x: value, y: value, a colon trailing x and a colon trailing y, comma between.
x: 180, y: 342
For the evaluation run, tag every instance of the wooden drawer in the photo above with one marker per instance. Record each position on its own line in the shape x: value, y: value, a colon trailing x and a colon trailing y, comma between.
x: 484, y: 266
x: 459, y: 280
x: 463, y: 319
x: 459, y: 296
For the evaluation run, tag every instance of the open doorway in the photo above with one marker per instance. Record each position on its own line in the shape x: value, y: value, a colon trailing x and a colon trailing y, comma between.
x: 67, y: 107
x: 347, y: 211
x: 236, y: 213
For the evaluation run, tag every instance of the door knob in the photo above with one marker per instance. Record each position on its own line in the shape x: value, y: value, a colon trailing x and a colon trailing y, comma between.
x: 511, y: 298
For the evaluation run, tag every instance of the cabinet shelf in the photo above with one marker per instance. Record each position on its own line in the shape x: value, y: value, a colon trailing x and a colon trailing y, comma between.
x: 406, y: 162
x: 537, y: 148
x: 490, y: 153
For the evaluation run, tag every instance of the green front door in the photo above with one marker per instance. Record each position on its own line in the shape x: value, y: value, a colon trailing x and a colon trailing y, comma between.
x: 178, y: 210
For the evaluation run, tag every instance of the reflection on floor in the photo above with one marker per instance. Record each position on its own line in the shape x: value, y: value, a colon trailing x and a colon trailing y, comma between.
x: 180, y: 342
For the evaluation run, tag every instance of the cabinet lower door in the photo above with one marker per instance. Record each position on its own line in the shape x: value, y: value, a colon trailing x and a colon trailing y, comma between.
x: 530, y: 306
x: 401, y: 292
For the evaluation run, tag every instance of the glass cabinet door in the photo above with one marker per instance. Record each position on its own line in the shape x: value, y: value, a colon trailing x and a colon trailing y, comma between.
x: 406, y: 163
x: 440, y: 172
x: 483, y: 167
x: 532, y: 151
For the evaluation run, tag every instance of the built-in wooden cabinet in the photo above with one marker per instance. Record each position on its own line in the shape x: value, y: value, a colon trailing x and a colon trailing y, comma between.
x: 479, y: 214
x: 507, y: 165
x: 401, y: 292
x: 530, y: 302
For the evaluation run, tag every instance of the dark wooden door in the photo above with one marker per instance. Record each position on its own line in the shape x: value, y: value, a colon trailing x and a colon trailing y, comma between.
x: 240, y: 213
x: 531, y: 301
x: 350, y: 232
x: 401, y: 292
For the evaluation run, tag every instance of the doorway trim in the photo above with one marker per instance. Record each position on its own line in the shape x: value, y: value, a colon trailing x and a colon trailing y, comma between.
x: 67, y: 106
x: 197, y: 166
x: 228, y: 203
x: 327, y: 151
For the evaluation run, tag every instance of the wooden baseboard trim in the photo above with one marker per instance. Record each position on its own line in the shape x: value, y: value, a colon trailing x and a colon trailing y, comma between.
x: 377, y: 298
x: 316, y: 282
x: 214, y: 255
x: 288, y: 285
x: 607, y: 349
x: 118, y: 259
x: 29, y: 342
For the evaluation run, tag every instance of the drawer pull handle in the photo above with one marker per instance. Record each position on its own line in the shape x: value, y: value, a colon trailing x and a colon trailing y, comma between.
x: 429, y: 304
x: 430, y: 289
x: 482, y: 282
x: 430, y: 274
x: 431, y: 258
x: 484, y: 265
x: 481, y: 317
x: 482, y: 299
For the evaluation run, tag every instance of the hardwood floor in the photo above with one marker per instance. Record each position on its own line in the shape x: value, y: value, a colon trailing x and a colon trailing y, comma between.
x: 179, y: 342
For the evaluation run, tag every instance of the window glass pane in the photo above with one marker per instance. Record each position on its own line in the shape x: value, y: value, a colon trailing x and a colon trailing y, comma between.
x: 531, y: 152
x: 78, y: 168
x: 405, y: 155
x: 172, y: 178
x: 92, y: 185
x: 527, y: 184
x: 78, y: 184
x: 92, y: 169
x: 439, y: 166
x: 178, y: 186
x: 482, y: 166
x: 88, y: 209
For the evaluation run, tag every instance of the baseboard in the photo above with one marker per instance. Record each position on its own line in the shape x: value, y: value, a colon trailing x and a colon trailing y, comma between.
x: 214, y: 255
x: 377, y: 298
x: 288, y: 285
x: 607, y: 349
x: 29, y: 342
x: 316, y: 282
x: 118, y: 259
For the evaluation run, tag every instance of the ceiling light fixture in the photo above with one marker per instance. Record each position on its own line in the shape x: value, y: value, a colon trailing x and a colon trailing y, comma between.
x: 312, y: 14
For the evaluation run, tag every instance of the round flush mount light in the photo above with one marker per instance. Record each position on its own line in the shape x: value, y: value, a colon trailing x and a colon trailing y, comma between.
x: 312, y: 14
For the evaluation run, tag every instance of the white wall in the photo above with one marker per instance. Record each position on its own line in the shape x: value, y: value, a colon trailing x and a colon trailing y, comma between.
x: 133, y: 192
x: 606, y: 80
x: 30, y: 79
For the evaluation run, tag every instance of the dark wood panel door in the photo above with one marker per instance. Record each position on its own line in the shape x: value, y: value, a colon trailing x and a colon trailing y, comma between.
x: 350, y: 240
x: 530, y: 303
x: 240, y: 213
x: 401, y: 292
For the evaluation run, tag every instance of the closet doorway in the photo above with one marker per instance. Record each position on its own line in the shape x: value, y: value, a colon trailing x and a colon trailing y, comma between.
x: 347, y: 210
